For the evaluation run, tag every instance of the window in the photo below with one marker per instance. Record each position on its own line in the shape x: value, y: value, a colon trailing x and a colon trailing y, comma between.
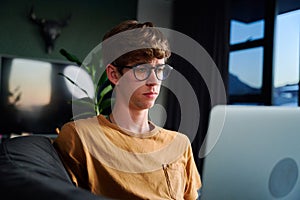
x: 286, y: 57
x: 35, y: 103
x: 244, y: 32
x: 251, y: 79
x: 245, y: 69
x: 23, y: 85
x: 246, y: 62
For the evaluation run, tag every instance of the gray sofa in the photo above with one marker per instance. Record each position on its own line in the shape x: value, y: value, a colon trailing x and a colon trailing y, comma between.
x: 31, y: 169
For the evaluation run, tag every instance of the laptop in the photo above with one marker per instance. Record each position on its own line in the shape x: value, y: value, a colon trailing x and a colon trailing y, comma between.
x: 252, y: 153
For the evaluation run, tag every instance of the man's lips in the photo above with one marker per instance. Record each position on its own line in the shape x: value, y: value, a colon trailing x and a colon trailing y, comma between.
x: 150, y: 94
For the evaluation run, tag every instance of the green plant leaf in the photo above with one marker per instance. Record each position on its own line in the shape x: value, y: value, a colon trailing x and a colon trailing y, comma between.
x: 83, y: 102
x: 70, y: 57
x: 105, y: 104
x: 74, y: 83
x: 105, y: 91
x: 102, y: 79
x: 102, y: 94
x: 102, y: 86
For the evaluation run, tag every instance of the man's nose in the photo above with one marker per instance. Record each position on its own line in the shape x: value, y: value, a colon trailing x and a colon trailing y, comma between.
x: 152, y: 79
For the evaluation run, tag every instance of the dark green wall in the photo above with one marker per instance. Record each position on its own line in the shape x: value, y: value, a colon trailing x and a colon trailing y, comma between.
x: 90, y: 20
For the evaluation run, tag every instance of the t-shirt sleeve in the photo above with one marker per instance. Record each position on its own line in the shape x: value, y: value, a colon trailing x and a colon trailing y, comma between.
x: 72, y: 154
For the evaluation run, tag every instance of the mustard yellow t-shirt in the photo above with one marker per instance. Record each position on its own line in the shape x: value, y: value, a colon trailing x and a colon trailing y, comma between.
x: 115, y: 163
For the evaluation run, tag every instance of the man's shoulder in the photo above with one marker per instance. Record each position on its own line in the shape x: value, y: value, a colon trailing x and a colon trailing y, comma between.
x: 176, y: 134
x: 84, y: 123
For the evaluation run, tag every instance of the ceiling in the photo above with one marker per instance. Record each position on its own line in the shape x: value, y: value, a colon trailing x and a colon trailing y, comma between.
x: 252, y: 10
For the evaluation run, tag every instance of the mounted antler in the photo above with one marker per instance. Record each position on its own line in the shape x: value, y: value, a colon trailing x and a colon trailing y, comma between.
x: 51, y: 29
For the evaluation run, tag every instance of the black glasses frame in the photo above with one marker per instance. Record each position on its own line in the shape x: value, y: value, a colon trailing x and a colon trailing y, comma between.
x: 146, y: 65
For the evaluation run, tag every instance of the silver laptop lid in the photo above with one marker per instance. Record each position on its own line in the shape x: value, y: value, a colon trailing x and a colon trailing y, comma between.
x: 255, y: 155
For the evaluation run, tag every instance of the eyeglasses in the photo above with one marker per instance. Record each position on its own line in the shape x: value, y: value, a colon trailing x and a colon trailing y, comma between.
x: 142, y: 71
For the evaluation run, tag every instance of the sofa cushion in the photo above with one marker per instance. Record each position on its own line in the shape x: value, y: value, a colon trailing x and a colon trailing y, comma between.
x: 30, y: 168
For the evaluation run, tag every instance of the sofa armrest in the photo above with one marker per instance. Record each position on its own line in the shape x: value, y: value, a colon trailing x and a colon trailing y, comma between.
x: 30, y: 168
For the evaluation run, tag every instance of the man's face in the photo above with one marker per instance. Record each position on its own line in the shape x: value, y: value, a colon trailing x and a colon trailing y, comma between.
x: 138, y: 94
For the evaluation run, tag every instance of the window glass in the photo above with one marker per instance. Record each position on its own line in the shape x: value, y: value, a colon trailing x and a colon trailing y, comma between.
x: 36, y: 102
x: 243, y: 32
x: 286, y: 59
x: 245, y: 71
x: 24, y: 85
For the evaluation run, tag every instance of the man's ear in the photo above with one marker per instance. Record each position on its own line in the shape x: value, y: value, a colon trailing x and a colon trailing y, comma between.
x: 112, y: 74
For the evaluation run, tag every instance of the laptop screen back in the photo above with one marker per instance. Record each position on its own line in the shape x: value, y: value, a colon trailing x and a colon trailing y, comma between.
x: 255, y: 156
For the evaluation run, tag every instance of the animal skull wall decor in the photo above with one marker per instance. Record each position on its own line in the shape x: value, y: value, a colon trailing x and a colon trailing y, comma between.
x: 50, y: 29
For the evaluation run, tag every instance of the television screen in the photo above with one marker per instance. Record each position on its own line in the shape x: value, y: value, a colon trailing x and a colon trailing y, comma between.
x: 34, y: 98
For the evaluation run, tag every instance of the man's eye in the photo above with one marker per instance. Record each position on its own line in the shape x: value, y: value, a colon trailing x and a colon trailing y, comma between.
x: 141, y: 69
x: 160, y: 69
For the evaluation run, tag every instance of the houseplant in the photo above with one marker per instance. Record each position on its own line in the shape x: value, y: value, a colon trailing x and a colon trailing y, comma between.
x: 101, y: 101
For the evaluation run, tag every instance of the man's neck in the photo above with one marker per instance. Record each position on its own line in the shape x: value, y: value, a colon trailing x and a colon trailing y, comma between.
x: 135, y: 121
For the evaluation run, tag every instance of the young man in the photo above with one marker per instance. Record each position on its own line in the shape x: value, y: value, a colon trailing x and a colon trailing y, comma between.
x: 124, y: 155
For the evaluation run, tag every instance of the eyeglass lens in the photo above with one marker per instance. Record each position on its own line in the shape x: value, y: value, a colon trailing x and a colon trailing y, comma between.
x: 142, y: 72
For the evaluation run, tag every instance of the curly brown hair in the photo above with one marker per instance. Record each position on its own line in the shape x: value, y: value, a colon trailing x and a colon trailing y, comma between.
x: 134, y: 42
